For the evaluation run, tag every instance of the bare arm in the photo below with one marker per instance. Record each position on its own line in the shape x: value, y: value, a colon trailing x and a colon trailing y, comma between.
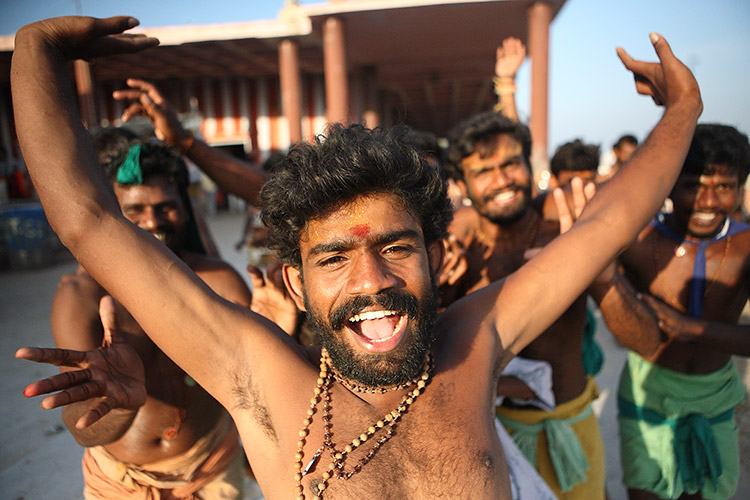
x: 231, y: 174
x: 509, y: 58
x: 566, y: 267
x: 631, y: 321
x: 215, y: 338
x: 732, y: 339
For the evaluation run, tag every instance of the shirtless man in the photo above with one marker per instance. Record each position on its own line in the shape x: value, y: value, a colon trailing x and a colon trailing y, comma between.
x: 180, y: 440
x: 399, y: 396
x: 693, y: 267
x: 488, y: 158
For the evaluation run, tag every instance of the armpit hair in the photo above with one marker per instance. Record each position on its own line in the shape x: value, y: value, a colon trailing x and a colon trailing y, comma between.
x: 247, y: 397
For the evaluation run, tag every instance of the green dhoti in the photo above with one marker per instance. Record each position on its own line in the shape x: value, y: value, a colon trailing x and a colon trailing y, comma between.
x: 677, y: 431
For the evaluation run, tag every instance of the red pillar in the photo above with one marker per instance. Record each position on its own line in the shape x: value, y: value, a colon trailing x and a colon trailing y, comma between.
x: 334, y: 61
x: 85, y: 90
x: 290, y: 81
x: 540, y: 15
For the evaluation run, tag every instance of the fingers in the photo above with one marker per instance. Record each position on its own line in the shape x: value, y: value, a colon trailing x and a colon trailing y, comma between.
x: 57, y: 357
x: 113, y: 25
x: 55, y: 383
x: 579, y: 197
x: 134, y: 109
x: 108, y: 317
x: 95, y: 414
x: 563, y: 210
x: 663, y: 50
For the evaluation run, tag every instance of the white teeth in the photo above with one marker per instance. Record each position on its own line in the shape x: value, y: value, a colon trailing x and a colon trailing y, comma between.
x: 371, y: 315
x: 705, y: 217
x: 504, y: 196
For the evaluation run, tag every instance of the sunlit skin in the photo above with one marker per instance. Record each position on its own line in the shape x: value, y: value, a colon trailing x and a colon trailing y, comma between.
x: 496, y: 249
x: 343, y: 257
x: 155, y: 206
x: 702, y: 202
x: 701, y: 205
x: 499, y: 183
x: 565, y: 176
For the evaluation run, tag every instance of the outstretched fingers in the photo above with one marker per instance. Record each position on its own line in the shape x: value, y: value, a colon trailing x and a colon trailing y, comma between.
x: 57, y: 357
x: 76, y: 386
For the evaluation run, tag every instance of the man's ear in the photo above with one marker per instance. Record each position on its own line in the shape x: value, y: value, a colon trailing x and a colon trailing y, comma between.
x: 462, y: 186
x: 436, y: 254
x: 293, y: 281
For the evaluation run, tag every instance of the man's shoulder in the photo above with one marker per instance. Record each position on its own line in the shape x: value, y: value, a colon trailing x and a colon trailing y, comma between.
x: 220, y: 276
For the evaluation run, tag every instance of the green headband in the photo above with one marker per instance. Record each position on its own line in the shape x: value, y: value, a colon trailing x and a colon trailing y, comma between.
x: 130, y: 170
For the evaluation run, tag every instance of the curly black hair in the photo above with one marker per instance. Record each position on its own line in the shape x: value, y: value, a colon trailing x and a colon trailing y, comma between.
x: 316, y: 179
x: 480, y: 132
x: 716, y: 145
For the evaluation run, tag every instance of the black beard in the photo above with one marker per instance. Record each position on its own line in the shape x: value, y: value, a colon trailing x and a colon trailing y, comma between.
x: 378, y: 370
x: 503, y: 219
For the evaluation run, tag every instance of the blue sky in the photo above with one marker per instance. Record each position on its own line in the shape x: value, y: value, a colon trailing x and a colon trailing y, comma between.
x: 591, y: 95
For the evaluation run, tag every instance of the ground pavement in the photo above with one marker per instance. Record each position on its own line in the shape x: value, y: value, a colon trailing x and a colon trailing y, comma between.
x: 39, y: 460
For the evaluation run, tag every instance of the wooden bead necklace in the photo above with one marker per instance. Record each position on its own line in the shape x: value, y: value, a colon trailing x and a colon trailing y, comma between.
x: 388, y: 422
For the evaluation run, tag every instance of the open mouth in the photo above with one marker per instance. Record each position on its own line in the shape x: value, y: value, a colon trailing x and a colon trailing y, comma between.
x: 378, y: 327
x: 504, y: 197
x: 160, y: 236
x: 704, y: 217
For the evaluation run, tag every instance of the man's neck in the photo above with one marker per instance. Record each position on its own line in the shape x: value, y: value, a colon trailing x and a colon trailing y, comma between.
x: 513, y: 234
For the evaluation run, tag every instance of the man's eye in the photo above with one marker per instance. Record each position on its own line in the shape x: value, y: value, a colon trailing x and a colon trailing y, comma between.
x: 331, y: 261
x: 397, y: 250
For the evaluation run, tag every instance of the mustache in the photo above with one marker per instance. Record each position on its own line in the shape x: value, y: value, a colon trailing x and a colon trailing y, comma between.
x: 392, y: 300
x: 512, y: 187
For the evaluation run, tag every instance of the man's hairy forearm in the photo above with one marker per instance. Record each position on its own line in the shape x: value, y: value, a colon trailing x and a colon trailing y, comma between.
x: 631, y: 322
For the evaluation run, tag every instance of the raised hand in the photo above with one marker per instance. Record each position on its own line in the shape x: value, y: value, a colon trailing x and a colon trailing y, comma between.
x: 669, y: 81
x: 454, y: 262
x: 271, y: 298
x: 148, y: 101
x: 88, y: 37
x: 581, y: 194
x: 509, y: 57
x: 113, y: 373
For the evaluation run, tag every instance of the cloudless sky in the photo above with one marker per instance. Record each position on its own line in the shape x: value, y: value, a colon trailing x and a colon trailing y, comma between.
x: 591, y: 95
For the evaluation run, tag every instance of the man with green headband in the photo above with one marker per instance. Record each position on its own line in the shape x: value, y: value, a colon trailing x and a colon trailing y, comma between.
x: 398, y: 401
x: 180, y: 439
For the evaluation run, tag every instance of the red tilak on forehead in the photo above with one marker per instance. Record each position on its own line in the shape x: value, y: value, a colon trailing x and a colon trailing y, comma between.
x: 361, y: 230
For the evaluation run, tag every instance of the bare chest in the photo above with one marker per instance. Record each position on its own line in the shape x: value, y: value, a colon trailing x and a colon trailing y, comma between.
x: 669, y: 270
x: 439, y: 449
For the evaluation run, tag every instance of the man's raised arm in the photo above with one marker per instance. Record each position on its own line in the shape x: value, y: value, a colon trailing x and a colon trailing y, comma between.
x: 563, y: 270
x: 180, y: 312
x: 241, y: 178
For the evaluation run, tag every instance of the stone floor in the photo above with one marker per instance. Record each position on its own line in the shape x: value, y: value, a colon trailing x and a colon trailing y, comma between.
x: 40, y: 460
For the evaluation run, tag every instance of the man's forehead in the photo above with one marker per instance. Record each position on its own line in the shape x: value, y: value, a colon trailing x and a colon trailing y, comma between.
x: 498, y: 145
x: 711, y: 175
x: 361, y: 218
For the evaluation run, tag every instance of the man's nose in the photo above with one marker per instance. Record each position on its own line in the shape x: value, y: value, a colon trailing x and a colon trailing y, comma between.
x: 707, y: 197
x: 370, y: 274
x: 500, y: 178
x: 150, y: 219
